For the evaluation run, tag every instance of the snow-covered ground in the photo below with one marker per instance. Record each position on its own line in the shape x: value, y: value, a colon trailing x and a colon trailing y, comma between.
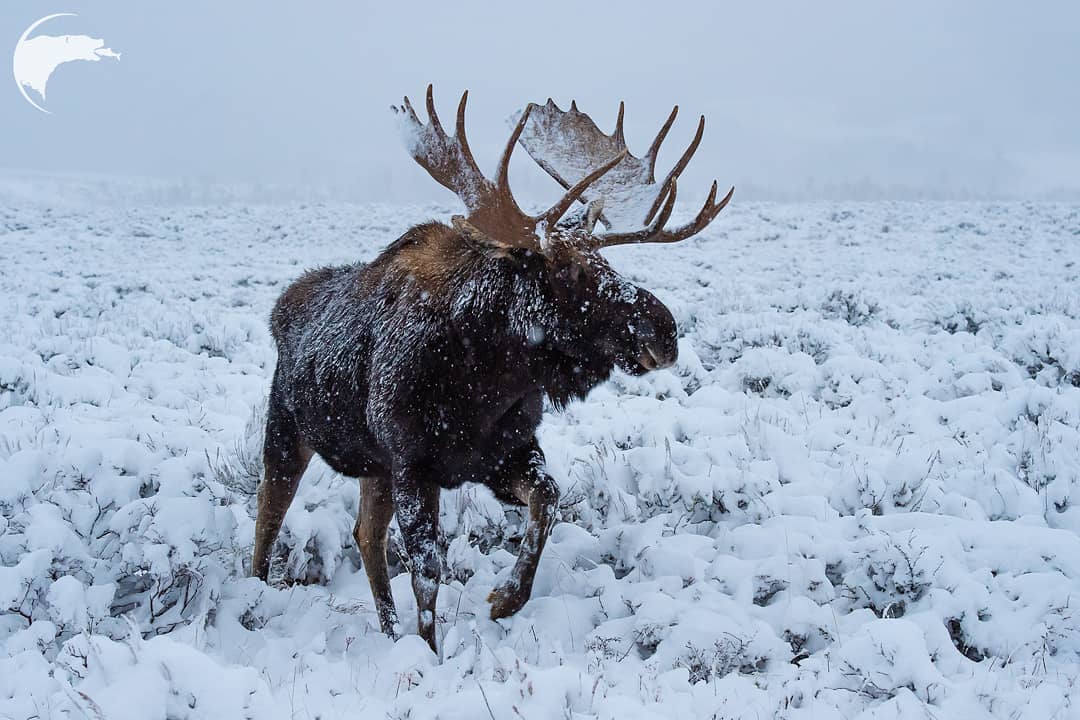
x: 852, y: 498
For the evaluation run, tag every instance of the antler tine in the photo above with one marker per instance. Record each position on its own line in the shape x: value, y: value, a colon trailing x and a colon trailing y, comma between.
x: 432, y: 115
x: 656, y: 234
x: 723, y: 203
x: 669, y: 205
x: 650, y: 156
x: 502, y: 175
x: 459, y: 131
x: 689, y: 153
x: 618, y: 134
x: 708, y: 213
x: 559, y: 209
x: 407, y: 107
x: 679, y: 166
x: 645, y: 234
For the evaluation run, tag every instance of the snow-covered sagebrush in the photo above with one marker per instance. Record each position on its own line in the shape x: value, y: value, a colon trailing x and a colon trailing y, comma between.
x: 856, y: 496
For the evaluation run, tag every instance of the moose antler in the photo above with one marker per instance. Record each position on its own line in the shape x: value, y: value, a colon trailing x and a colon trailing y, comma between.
x: 492, y: 208
x: 635, y: 207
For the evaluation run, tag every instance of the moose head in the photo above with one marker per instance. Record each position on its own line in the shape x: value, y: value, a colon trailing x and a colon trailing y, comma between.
x: 601, y: 319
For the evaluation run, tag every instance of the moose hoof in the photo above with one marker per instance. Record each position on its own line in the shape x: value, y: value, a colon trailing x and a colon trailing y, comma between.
x: 507, y: 599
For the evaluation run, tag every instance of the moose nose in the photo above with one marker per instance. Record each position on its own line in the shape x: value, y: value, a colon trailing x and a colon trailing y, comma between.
x: 655, y: 357
x: 658, y: 343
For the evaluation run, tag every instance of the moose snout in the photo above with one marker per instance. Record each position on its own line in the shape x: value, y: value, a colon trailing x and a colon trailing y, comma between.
x: 658, y: 352
x: 655, y: 357
x: 657, y: 341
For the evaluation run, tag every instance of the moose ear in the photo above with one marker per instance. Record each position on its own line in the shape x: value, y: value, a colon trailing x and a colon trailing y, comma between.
x: 584, y: 220
x: 593, y: 214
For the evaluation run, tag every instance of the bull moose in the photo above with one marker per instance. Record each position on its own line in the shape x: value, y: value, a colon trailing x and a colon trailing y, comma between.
x: 428, y: 367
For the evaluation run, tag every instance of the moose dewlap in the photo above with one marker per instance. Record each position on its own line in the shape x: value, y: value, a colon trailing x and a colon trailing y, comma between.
x: 427, y: 367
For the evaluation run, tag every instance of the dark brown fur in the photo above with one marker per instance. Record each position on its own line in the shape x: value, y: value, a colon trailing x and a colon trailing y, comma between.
x: 426, y: 369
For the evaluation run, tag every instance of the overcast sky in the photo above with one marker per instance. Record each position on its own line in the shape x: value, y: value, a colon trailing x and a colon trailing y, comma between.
x: 803, y: 100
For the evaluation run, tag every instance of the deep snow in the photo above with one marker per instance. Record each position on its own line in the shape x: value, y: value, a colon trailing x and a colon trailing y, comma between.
x: 852, y: 498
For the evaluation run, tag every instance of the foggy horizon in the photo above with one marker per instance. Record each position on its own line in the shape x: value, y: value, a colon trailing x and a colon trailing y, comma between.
x: 969, y: 101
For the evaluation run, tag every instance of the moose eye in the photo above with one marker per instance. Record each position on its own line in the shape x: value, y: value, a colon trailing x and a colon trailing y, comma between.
x: 644, y: 327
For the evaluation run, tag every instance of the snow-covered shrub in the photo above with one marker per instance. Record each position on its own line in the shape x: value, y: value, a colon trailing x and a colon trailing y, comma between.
x: 960, y: 317
x: 886, y: 658
x: 241, y: 468
x: 1047, y: 348
x: 852, y: 305
x: 853, y: 496
x: 887, y: 574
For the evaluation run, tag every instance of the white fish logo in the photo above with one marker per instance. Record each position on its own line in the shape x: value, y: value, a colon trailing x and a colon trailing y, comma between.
x: 37, y: 58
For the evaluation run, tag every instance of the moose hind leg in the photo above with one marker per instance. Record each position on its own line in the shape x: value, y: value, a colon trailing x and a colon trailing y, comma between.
x: 530, y: 484
x: 285, y: 457
x: 376, y: 511
x: 417, y: 505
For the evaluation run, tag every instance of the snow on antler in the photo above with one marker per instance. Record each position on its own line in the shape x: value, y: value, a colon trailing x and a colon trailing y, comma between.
x: 567, y: 144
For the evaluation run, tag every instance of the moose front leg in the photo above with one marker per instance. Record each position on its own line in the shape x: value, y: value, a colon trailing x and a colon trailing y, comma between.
x: 529, y: 483
x: 376, y: 511
x: 417, y: 505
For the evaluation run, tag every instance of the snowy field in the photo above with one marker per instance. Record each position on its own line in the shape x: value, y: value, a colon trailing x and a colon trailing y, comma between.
x: 852, y: 498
